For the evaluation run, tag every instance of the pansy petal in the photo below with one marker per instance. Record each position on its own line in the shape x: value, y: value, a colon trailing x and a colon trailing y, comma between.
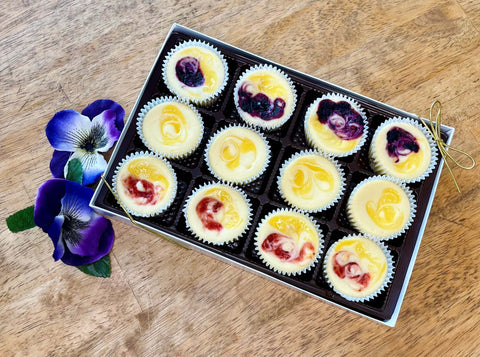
x: 55, y: 234
x: 66, y: 130
x: 48, y: 203
x: 97, y: 107
x: 104, y: 132
x: 76, y: 201
x: 105, y: 244
x: 91, y: 235
x: 93, y: 165
x: 58, y: 162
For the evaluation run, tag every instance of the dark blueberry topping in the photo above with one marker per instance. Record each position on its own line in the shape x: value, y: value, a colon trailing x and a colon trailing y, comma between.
x: 341, y: 118
x: 189, y: 72
x: 400, y: 143
x: 259, y: 105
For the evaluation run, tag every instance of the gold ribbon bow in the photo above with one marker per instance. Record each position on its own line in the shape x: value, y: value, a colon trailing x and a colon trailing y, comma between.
x: 434, y: 129
x: 131, y: 218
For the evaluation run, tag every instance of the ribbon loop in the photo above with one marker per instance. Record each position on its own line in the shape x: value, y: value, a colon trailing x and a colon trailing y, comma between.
x: 434, y: 127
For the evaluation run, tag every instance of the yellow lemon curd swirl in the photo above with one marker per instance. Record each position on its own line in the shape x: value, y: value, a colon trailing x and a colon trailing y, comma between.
x: 374, y: 258
x: 269, y: 85
x: 328, y: 138
x: 296, y: 228
x: 411, y: 163
x: 172, y: 125
x: 231, y: 218
x: 208, y: 62
x: 233, y: 148
x: 385, y: 212
x: 308, y: 177
x: 143, y: 168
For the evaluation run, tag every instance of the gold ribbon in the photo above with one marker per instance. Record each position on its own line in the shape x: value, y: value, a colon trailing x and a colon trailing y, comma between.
x: 131, y: 218
x: 434, y: 129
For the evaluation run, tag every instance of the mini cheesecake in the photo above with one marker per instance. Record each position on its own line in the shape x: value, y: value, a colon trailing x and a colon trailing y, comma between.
x: 217, y: 213
x: 265, y: 97
x: 336, y: 125
x: 170, y: 127
x: 237, y: 154
x: 145, y: 184
x: 310, y: 181
x: 195, y: 71
x: 288, y: 242
x: 381, y: 207
x: 401, y: 148
x: 357, y: 267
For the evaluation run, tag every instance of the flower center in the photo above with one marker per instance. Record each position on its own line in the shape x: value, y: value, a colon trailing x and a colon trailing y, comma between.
x: 71, y: 229
x: 94, y: 139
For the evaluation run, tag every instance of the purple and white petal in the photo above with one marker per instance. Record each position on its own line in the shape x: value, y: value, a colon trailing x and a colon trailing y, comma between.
x: 93, y: 165
x: 67, y: 130
x: 105, y: 244
x: 98, y: 106
x: 104, y: 132
x: 90, y: 237
x: 48, y: 203
x: 58, y: 162
x: 55, y: 234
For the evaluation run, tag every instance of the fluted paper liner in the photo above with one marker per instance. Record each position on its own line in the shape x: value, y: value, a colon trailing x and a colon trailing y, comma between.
x: 336, y: 97
x: 189, y: 149
x: 157, y: 210
x: 201, y: 189
x: 272, y: 124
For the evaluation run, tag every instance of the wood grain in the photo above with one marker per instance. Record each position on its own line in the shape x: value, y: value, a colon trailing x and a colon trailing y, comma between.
x: 164, y: 300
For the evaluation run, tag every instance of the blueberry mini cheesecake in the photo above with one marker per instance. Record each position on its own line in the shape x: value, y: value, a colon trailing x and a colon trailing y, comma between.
x: 336, y: 125
x: 195, y: 71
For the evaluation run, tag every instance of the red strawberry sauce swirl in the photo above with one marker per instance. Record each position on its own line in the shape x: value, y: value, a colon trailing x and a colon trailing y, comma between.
x: 206, y: 210
x: 142, y: 191
x: 350, y: 270
x: 285, y: 248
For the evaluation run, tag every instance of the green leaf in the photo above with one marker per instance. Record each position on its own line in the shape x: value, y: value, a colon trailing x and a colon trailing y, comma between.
x: 22, y: 220
x: 100, y: 268
x: 75, y: 172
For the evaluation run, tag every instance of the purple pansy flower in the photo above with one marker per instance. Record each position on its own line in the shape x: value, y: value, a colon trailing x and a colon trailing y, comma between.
x: 84, y: 136
x: 79, y: 235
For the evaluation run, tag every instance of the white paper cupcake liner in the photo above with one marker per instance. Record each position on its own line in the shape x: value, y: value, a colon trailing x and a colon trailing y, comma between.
x: 169, y: 99
x: 378, y: 168
x: 196, y: 43
x: 386, y: 282
x: 411, y: 199
x: 205, y: 187
x: 240, y: 181
x: 317, y: 229
x: 259, y: 123
x: 336, y: 97
x: 329, y: 158
x: 159, y: 209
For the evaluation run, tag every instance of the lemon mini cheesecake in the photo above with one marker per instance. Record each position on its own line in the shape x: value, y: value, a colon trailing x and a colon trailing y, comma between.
x: 195, y: 71
x: 145, y: 184
x: 381, y: 207
x: 265, y: 97
x: 217, y: 213
x: 402, y: 148
x: 237, y: 154
x: 336, y: 125
x: 170, y: 127
x: 357, y: 267
x: 289, y: 242
x: 311, y: 181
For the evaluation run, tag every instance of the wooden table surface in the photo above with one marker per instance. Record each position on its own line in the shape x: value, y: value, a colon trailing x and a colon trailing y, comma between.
x: 164, y: 300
